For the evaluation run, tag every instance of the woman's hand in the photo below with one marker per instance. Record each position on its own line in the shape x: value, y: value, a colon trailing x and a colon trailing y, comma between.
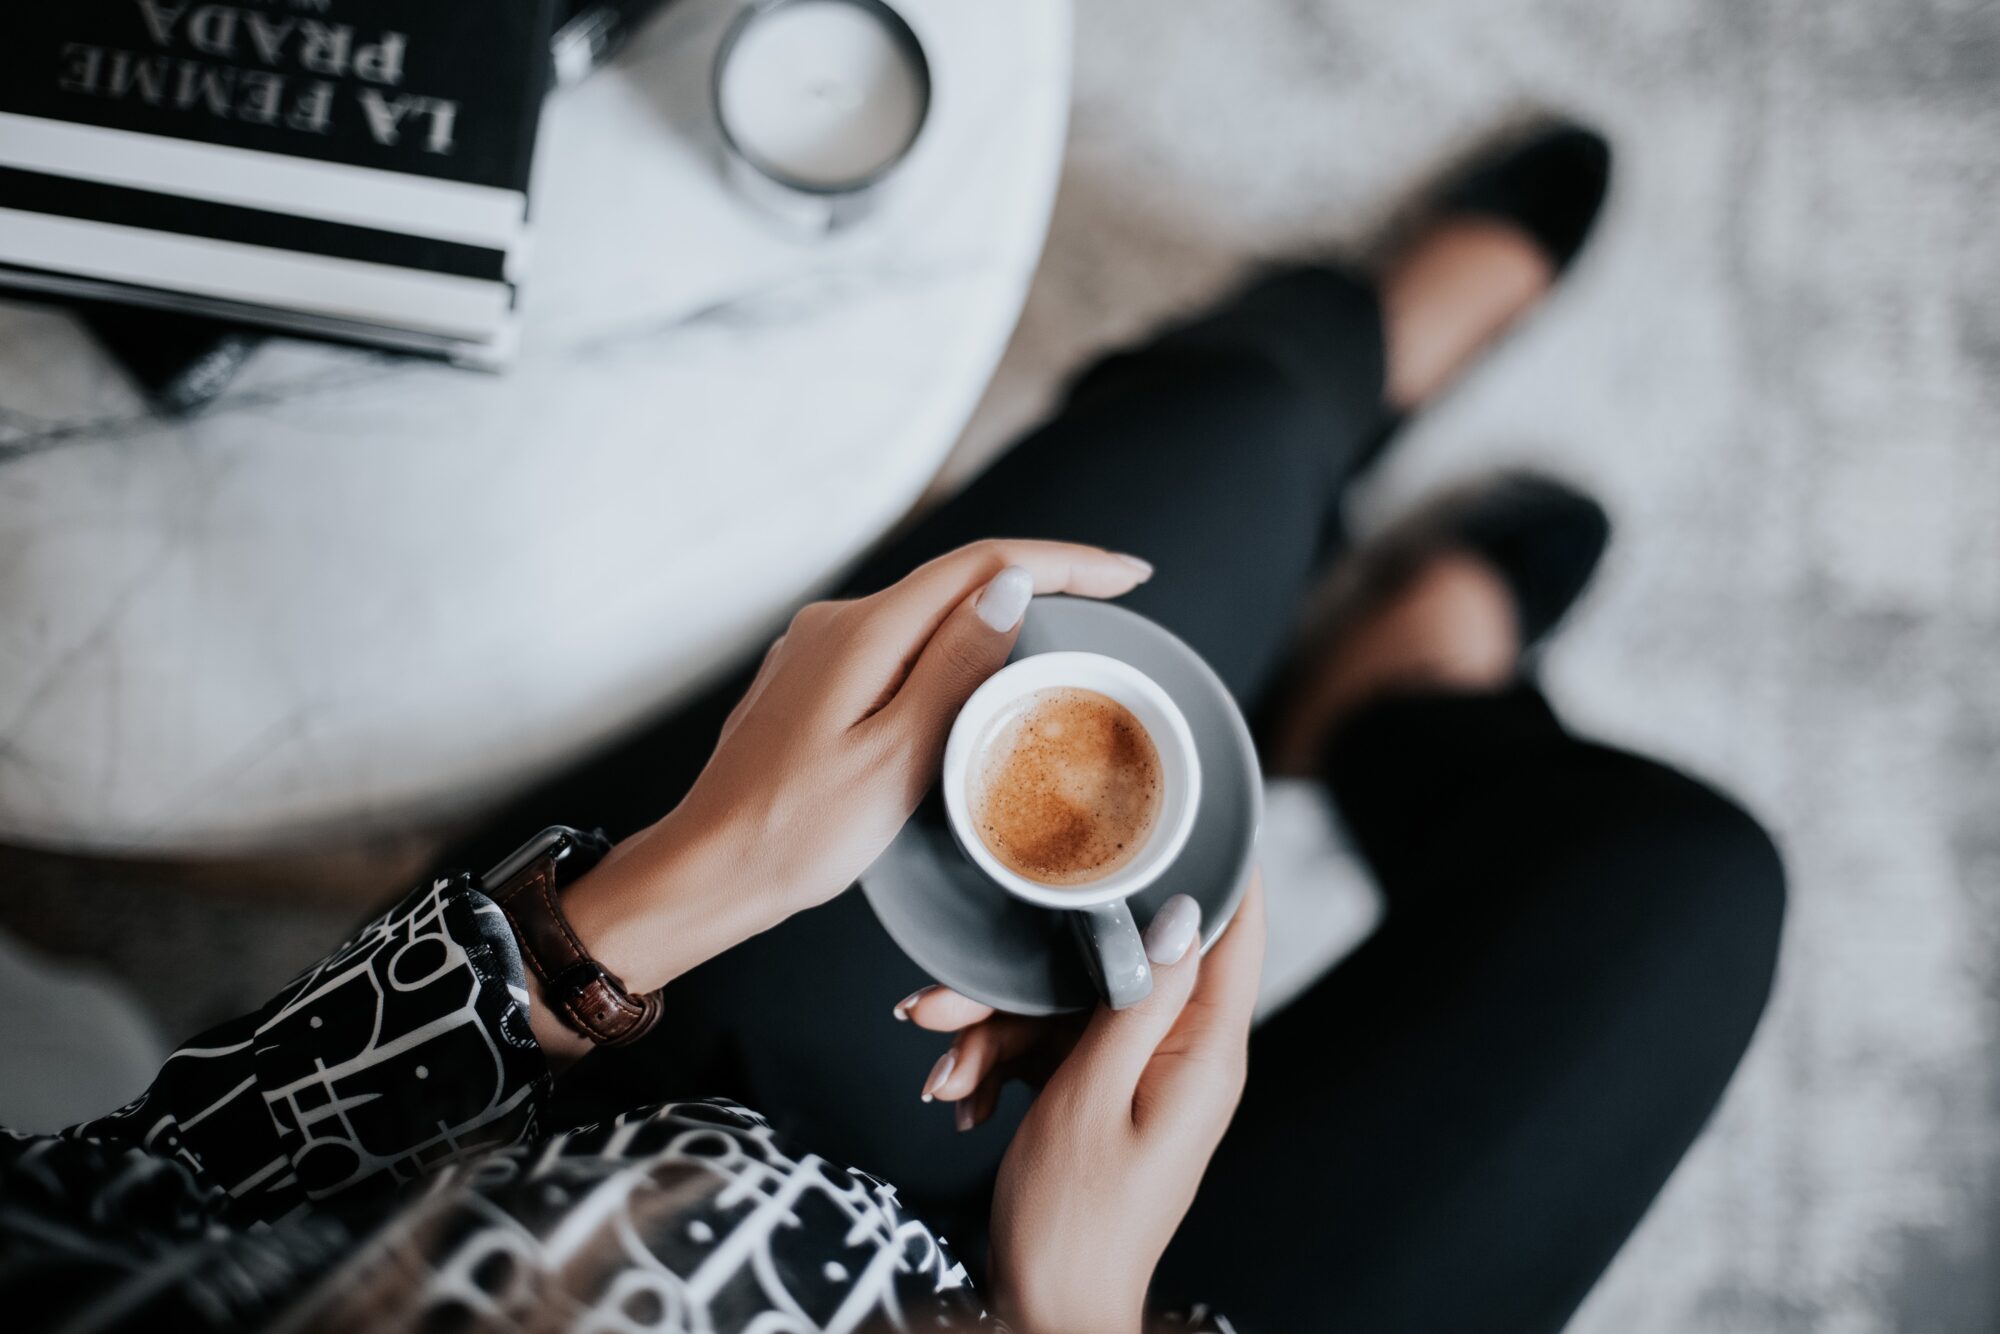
x: 841, y: 734
x: 829, y: 752
x: 1132, y: 1105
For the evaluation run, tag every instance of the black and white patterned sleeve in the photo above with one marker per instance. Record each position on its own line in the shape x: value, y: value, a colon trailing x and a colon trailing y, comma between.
x: 407, y: 1047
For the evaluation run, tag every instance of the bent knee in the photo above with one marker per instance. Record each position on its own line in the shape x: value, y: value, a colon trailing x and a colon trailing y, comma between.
x: 1669, y: 879
x: 1702, y: 872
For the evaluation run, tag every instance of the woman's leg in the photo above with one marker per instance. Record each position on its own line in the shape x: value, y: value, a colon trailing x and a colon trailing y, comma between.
x: 1458, y: 1127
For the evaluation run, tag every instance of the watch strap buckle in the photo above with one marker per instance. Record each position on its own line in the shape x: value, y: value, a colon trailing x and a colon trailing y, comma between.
x: 587, y: 995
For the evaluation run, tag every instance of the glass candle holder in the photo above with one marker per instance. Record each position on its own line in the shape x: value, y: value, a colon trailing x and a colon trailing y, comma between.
x: 817, y: 102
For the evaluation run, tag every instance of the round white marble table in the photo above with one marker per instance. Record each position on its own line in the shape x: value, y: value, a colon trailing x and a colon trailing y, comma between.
x: 362, y: 593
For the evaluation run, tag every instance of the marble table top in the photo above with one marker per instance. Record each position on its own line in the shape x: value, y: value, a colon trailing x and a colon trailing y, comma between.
x: 362, y: 593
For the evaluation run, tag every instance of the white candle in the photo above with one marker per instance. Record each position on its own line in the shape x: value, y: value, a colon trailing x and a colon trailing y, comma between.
x: 822, y: 92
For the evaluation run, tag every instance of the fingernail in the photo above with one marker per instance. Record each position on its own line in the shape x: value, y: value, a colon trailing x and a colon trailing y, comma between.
x: 1005, y: 598
x: 1144, y: 567
x: 962, y: 1114
x: 908, y: 1003
x: 939, y: 1073
x: 1173, y: 929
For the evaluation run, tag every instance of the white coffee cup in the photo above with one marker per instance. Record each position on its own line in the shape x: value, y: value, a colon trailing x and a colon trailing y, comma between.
x: 1109, y: 936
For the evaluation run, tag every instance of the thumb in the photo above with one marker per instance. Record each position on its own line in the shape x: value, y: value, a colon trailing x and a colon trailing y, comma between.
x: 971, y: 645
x: 1118, y: 1044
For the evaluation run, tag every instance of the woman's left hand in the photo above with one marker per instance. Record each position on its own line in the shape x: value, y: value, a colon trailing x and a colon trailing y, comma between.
x: 1130, y: 1107
x: 827, y: 755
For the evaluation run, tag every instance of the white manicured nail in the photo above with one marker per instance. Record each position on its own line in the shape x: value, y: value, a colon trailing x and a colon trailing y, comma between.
x: 1004, y: 600
x: 1144, y: 567
x: 908, y: 1003
x: 962, y: 1114
x: 939, y: 1073
x: 1173, y: 929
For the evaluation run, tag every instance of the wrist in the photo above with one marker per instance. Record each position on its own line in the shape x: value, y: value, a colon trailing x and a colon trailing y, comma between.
x: 1028, y: 1308
x: 674, y: 895
x: 1094, y: 1319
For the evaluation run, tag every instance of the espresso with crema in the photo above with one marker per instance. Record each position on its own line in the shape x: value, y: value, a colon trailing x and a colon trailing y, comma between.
x: 1066, y: 788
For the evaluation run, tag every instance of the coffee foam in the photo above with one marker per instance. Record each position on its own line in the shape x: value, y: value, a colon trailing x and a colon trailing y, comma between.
x: 1067, y: 787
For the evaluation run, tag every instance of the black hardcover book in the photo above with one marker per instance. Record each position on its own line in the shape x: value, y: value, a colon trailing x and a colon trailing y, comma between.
x: 356, y: 168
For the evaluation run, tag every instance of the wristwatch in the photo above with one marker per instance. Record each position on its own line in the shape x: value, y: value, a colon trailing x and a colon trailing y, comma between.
x: 528, y: 887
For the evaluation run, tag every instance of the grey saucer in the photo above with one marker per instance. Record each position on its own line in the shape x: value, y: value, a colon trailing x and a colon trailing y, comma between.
x: 969, y: 934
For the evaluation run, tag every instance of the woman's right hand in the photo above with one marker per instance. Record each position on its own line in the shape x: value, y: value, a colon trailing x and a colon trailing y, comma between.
x: 1104, y: 1168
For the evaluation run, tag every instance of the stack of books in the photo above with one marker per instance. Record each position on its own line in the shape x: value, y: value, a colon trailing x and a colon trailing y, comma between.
x: 350, y: 168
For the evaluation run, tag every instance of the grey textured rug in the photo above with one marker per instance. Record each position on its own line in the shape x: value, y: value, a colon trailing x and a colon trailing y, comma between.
x: 1780, y: 366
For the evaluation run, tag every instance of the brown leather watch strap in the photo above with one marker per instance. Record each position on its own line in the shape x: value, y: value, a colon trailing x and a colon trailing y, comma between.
x: 583, y: 991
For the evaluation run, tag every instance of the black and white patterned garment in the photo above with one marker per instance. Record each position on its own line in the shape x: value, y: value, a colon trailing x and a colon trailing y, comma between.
x: 358, y: 1154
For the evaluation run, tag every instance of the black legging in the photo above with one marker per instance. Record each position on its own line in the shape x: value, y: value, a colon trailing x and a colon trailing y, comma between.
x: 1458, y: 1126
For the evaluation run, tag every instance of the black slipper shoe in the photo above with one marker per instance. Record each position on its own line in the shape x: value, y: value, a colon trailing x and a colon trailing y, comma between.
x: 1542, y: 537
x: 1551, y: 185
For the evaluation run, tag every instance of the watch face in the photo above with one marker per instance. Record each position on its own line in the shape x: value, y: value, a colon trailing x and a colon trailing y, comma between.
x: 577, y: 852
x: 572, y: 851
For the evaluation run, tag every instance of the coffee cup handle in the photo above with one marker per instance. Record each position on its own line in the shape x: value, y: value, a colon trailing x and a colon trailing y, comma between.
x: 1114, y: 953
